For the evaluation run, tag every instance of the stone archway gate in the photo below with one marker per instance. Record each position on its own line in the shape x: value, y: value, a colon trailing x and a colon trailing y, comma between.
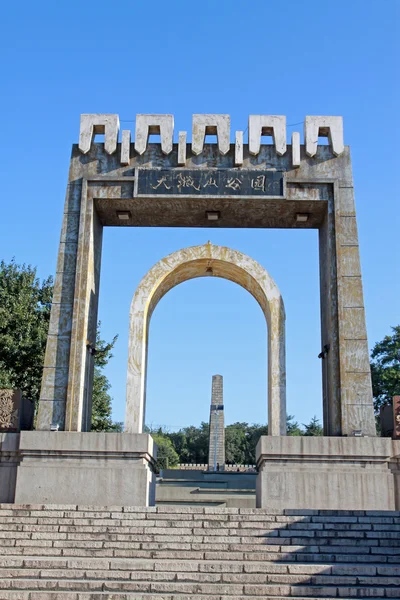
x: 208, y: 185
x: 202, y: 261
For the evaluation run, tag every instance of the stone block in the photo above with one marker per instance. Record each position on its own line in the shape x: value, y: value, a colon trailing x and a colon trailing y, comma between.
x: 267, y: 125
x: 64, y: 288
x: 349, y: 261
x: 325, y: 473
x: 345, y: 201
x: 296, y: 149
x: 73, y: 196
x: 347, y: 231
x: 70, y: 228
x: 182, y: 148
x: 54, y: 383
x: 239, y: 149
x: 61, y: 320
x: 357, y: 417
x: 126, y: 147
x: 211, y: 124
x: 331, y: 127
x: 352, y: 292
x: 112, y: 468
x: 163, y: 125
x: 353, y: 322
x: 66, y: 261
x: 355, y: 356
x: 106, y: 124
x: 57, y: 354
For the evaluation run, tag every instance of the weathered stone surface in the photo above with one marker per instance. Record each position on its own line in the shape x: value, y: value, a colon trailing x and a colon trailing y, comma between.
x: 219, y: 125
x: 182, y: 148
x: 325, y: 473
x: 216, y: 444
x: 98, y: 183
x: 58, y: 467
x: 331, y: 127
x: 154, y: 124
x: 267, y: 125
x: 201, y: 261
x: 239, y: 149
x: 99, y: 123
x: 296, y: 149
x: 10, y: 405
x: 126, y: 147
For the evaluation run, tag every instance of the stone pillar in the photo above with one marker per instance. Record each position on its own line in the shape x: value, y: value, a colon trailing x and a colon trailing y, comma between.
x: 53, y: 392
x: 65, y: 398
x: 347, y: 391
x: 329, y: 328
x: 83, y: 336
x: 216, y: 448
x: 357, y: 409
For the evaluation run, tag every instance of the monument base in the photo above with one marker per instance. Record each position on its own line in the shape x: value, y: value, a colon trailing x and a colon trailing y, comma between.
x: 338, y: 473
x: 98, y: 469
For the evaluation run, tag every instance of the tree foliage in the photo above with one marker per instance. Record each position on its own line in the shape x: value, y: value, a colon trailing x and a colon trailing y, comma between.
x: 25, y: 304
x: 191, y: 443
x: 167, y: 456
x: 292, y: 426
x: 313, y: 428
x: 101, y: 399
x: 385, y: 369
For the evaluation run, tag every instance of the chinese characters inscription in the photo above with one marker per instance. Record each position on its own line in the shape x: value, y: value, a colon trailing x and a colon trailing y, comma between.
x: 209, y: 182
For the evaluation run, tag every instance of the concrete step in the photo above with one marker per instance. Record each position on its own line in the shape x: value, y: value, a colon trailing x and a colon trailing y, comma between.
x: 99, y: 577
x: 288, y: 554
x: 63, y: 552
x: 206, y: 566
x: 190, y: 588
x: 60, y: 595
x: 212, y: 535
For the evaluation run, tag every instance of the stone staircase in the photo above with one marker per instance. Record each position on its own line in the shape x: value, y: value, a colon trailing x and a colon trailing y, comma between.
x: 170, y: 553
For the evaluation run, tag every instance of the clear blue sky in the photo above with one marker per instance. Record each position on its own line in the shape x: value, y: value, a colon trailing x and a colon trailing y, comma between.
x: 60, y: 59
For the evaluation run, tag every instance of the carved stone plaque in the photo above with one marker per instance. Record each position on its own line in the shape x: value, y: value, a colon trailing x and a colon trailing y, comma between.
x: 9, y: 410
x: 209, y: 182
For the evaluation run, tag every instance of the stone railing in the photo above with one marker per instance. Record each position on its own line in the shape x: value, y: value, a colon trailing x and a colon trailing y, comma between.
x: 225, y: 468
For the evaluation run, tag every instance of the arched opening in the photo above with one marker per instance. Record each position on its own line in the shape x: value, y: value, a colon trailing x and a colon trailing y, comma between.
x: 205, y: 326
x: 203, y: 261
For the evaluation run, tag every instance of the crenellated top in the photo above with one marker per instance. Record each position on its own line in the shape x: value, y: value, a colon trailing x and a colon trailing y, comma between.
x: 210, y: 124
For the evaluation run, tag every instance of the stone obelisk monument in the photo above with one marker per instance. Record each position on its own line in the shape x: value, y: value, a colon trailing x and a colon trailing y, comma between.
x: 216, y: 448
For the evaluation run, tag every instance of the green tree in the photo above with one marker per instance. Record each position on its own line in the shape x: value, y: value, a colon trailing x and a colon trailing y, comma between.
x: 292, y: 426
x: 180, y: 443
x: 101, y: 399
x: 197, y: 442
x: 167, y: 457
x: 25, y: 303
x: 241, y: 440
x: 236, y: 443
x: 385, y: 369
x: 313, y: 428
